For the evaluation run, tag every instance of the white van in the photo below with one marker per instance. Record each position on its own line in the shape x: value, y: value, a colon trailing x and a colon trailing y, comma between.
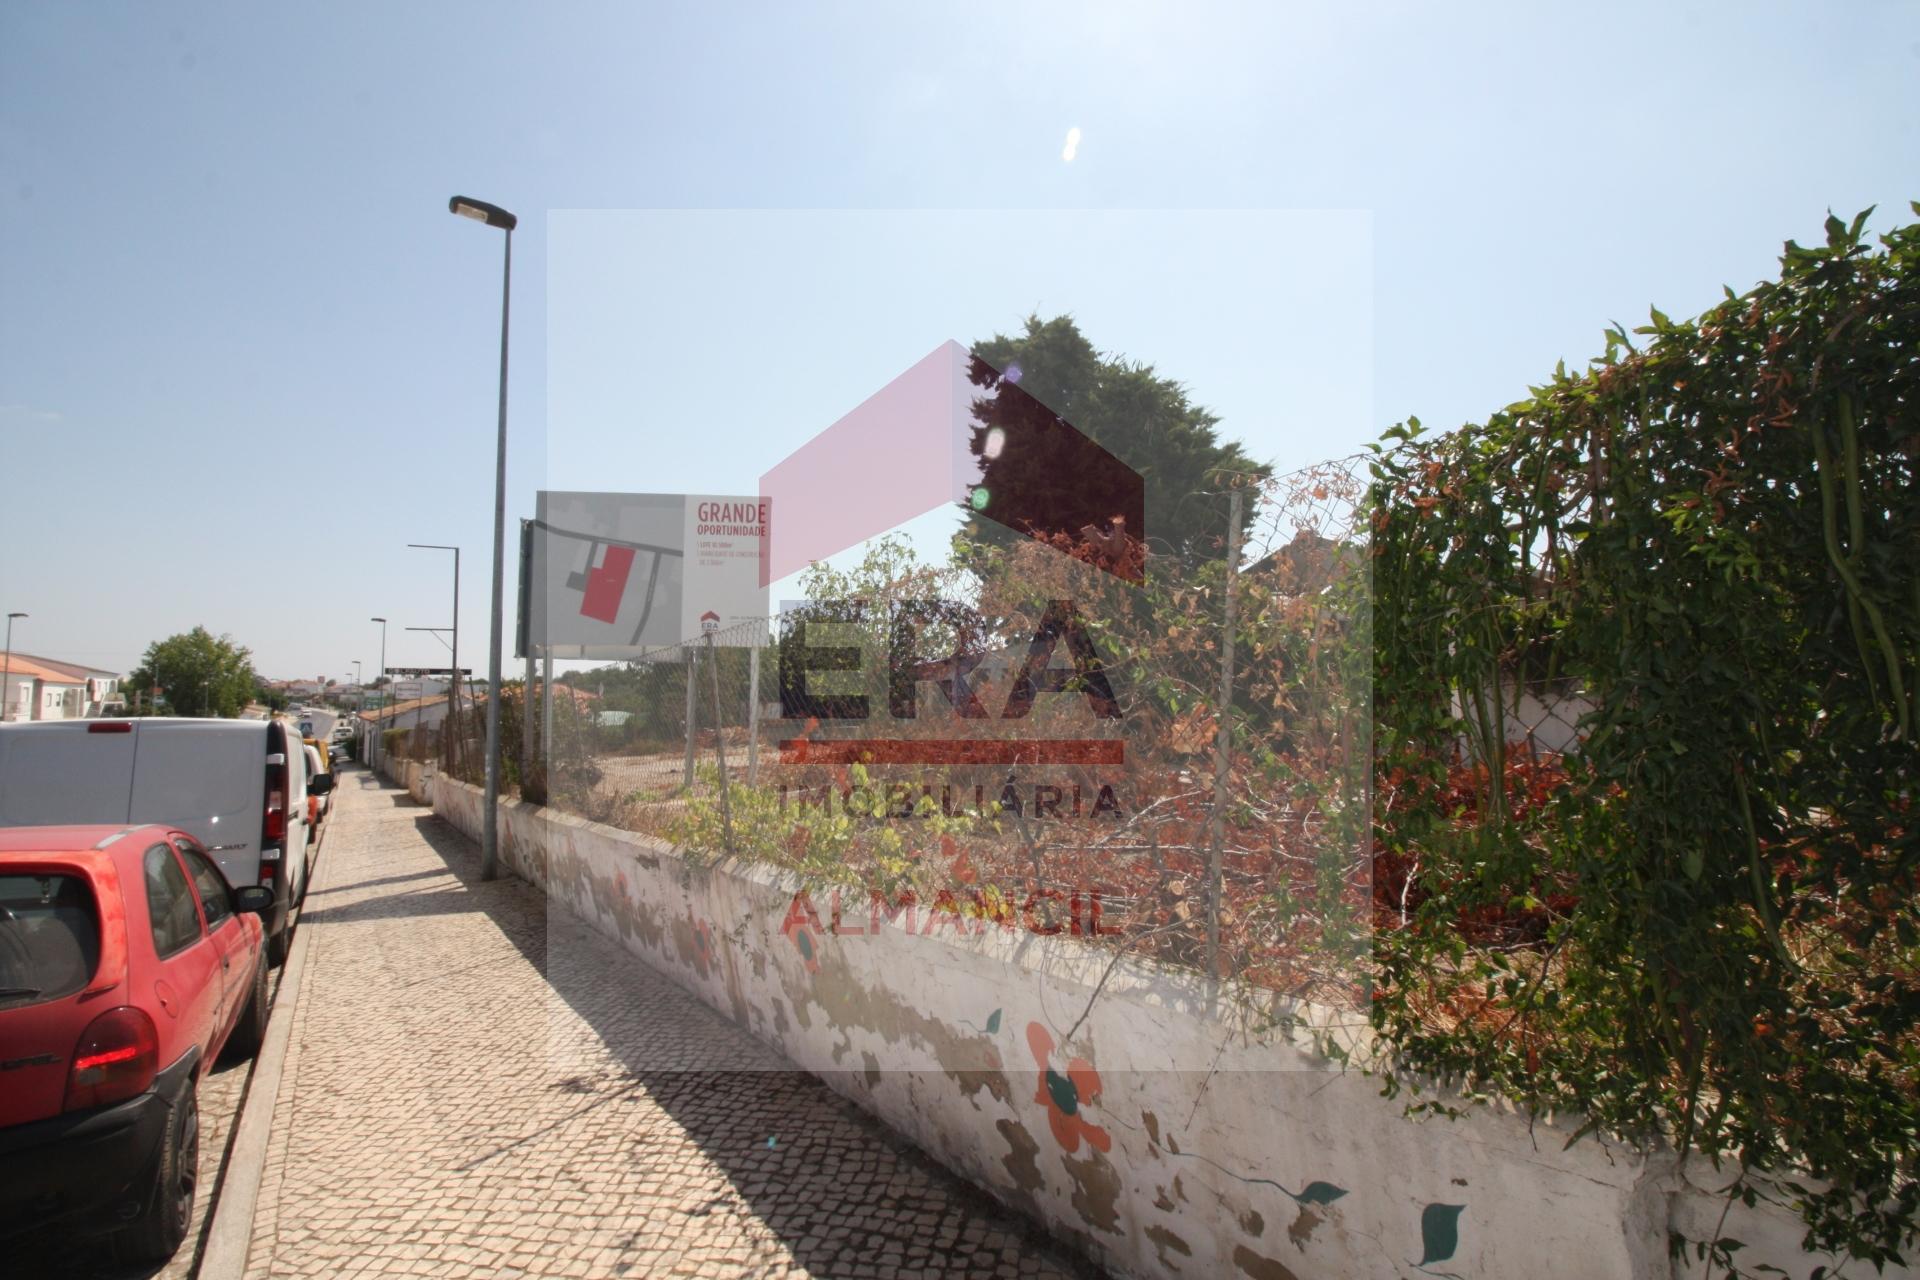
x: 238, y: 786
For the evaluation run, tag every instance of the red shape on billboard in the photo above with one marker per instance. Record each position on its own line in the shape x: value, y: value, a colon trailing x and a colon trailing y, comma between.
x: 606, y: 584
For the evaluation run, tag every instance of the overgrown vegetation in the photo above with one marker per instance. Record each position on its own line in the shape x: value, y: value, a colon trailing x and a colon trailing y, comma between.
x: 1701, y: 926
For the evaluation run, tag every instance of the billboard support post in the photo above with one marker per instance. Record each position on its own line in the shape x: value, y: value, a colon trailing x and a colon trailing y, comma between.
x: 546, y: 707
x: 687, y: 783
x: 523, y: 641
x: 526, y: 727
x: 720, y: 743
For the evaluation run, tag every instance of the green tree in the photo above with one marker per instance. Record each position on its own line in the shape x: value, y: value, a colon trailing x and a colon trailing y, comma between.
x: 200, y: 674
x: 1144, y: 419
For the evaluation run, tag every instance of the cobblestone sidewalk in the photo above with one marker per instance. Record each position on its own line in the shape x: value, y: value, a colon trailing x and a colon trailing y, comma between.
x: 451, y: 1107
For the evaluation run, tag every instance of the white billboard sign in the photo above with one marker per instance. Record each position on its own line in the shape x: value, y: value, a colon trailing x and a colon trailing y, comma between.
x: 614, y: 575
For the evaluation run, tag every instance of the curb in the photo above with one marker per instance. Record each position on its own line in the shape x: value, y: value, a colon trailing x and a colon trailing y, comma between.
x: 230, y: 1234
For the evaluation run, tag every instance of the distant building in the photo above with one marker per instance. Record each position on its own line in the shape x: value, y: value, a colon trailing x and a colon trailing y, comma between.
x: 351, y: 696
x: 36, y: 688
x: 423, y: 714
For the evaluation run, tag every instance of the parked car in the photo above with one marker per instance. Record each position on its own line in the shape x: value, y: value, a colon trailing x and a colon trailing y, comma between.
x: 239, y: 787
x: 318, y: 802
x: 128, y: 963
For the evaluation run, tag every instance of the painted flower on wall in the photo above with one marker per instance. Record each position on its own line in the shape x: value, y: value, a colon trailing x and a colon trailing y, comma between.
x: 805, y: 938
x: 706, y: 951
x: 1065, y: 1096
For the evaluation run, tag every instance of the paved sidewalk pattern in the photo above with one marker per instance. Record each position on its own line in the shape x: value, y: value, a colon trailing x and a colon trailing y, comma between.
x: 453, y: 1107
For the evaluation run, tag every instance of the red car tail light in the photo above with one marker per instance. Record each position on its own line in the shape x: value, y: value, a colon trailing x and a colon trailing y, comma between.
x: 117, y: 1058
x: 110, y: 726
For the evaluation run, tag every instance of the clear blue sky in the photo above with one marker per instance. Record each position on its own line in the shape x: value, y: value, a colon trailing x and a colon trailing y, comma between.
x: 246, y: 355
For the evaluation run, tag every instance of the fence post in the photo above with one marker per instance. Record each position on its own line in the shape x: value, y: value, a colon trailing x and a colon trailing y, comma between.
x: 687, y: 782
x: 1222, y: 745
x: 753, y: 713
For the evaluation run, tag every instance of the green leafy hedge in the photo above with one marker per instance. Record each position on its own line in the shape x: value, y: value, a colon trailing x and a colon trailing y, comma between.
x: 1700, y: 927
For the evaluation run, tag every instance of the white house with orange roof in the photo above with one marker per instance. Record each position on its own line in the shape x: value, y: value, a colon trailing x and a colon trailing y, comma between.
x: 36, y: 688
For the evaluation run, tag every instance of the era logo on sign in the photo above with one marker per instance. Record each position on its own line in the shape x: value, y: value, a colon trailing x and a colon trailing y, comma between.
x: 905, y: 675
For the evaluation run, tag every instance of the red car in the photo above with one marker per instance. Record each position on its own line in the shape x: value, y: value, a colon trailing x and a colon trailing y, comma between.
x: 127, y: 963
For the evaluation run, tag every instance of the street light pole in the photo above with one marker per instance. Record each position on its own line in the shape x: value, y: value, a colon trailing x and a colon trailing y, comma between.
x: 375, y: 750
x: 6, y: 675
x: 495, y: 216
x: 453, y: 681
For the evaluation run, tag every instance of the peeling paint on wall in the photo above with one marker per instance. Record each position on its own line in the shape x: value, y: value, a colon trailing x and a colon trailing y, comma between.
x: 1020, y: 1161
x: 848, y: 1003
x: 1096, y: 1193
x: 1164, y: 1240
x: 1259, y: 1266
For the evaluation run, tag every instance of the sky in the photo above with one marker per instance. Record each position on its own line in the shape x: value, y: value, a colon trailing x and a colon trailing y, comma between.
x: 246, y: 355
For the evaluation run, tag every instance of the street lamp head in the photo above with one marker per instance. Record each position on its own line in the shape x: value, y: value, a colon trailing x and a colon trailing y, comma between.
x: 379, y: 620
x: 480, y: 211
x: 16, y: 615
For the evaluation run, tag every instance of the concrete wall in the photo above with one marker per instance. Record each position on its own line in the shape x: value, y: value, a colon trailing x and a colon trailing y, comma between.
x: 1162, y: 1143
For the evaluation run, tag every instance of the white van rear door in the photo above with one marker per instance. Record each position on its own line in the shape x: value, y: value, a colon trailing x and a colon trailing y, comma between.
x: 55, y: 774
x: 208, y: 778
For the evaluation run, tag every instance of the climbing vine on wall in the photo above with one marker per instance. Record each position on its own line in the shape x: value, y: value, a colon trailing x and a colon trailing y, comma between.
x: 1699, y: 923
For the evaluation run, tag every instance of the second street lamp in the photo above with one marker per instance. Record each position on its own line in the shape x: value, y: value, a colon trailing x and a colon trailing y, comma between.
x: 373, y: 746
x: 494, y: 216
